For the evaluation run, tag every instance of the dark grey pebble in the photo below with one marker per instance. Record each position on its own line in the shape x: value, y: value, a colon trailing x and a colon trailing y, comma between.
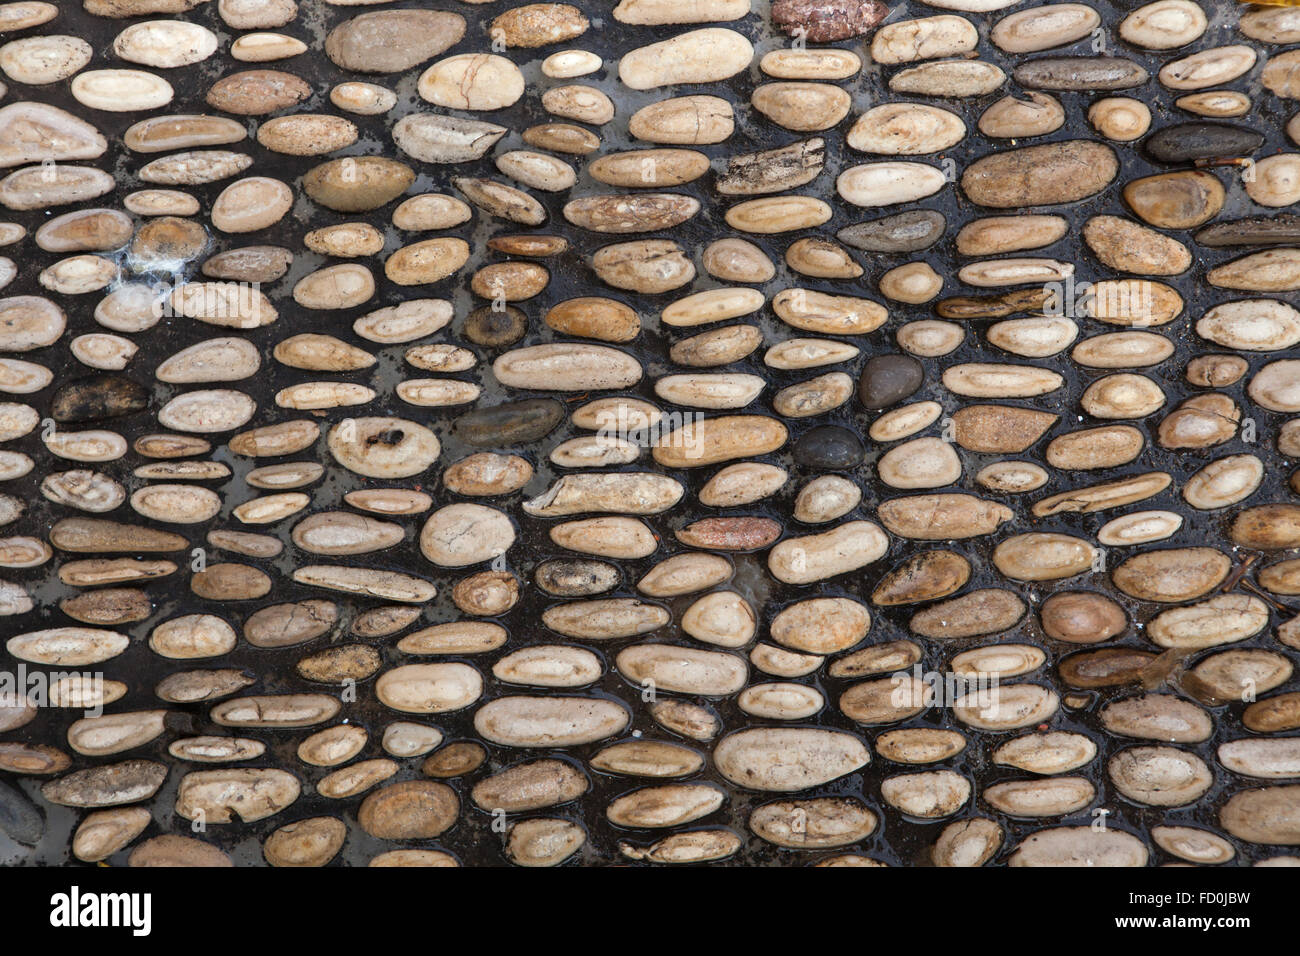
x: 514, y: 423
x: 1080, y: 73
x: 888, y: 379
x: 566, y: 578
x: 1282, y: 229
x: 909, y: 231
x: 1188, y: 142
x: 98, y: 397
x: 19, y: 817
x: 829, y: 448
x: 496, y: 328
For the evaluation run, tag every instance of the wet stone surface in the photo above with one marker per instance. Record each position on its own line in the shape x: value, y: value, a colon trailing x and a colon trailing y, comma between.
x: 563, y: 420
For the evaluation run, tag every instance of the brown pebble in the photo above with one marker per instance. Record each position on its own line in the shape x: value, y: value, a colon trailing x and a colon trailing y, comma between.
x: 412, y: 810
x: 230, y: 582
x: 1273, y: 714
x: 454, y: 760
x: 730, y: 534
x: 257, y: 92
x: 488, y: 593
x: 1082, y: 617
x: 382, y: 621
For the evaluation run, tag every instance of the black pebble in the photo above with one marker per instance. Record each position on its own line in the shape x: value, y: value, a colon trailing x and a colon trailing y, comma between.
x: 97, y: 397
x: 1188, y: 142
x: 829, y: 448
x: 513, y: 423
x: 888, y: 379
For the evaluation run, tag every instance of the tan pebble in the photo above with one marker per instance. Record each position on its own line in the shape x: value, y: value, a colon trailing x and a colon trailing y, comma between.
x: 815, y: 64
x: 316, y: 352
x: 1034, y: 337
x: 787, y: 759
x: 811, y: 311
x: 684, y: 121
x: 802, y: 560
x: 1217, y: 104
x: 264, y: 47
x: 1205, y: 68
x: 78, y: 275
x: 1079, y: 846
x: 441, y: 358
x: 1123, y: 350
x: 1040, y: 556
x: 538, y: 24
x: 251, y: 204
x: 959, y: 77
x: 429, y: 688
x: 737, y: 260
x: 93, y: 230
x: 511, y: 281
x: 269, y: 509
x: 644, y: 265
x: 1124, y: 395
x: 1041, y: 798
x: 1000, y: 381
x: 472, y: 81
x: 121, y: 91
x: 1012, y: 118
x: 929, y: 338
x: 778, y: 214
x: 913, y: 283
x: 649, y: 167
x: 906, y: 41
x: 412, y: 810
x: 549, y: 721
x: 104, y: 832
x: 568, y: 64
x: 1120, y: 118
x: 346, y: 240
x: 533, y: 169
x: 1164, y: 25
x: 889, y: 183
x: 488, y: 474
x: 1044, y: 27
x: 802, y: 107
x: 165, y: 44
x: 582, y: 104
x: 562, y: 138
x: 364, y: 99
x: 383, y: 447
x: 389, y: 501
x: 1224, y: 482
x: 335, y: 287
x: 742, y: 484
x: 697, y: 56
x: 409, y: 320
x: 998, y: 234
